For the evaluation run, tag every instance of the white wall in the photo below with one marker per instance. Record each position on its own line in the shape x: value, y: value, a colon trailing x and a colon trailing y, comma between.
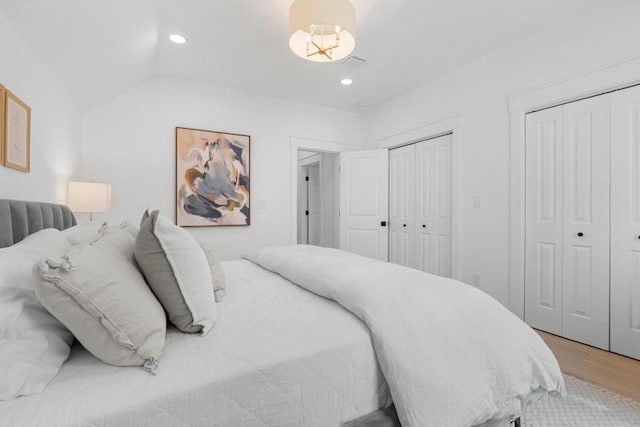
x: 129, y: 142
x: 55, y: 123
x: 478, y: 92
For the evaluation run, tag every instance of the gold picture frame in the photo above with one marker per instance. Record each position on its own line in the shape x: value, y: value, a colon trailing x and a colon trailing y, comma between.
x: 16, y: 139
x: 2, y: 101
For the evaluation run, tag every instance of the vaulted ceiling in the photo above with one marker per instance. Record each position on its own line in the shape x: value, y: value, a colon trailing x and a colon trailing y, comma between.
x: 98, y: 49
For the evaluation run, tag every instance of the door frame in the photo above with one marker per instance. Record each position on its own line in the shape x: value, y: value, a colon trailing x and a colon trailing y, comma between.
x: 453, y: 126
x: 304, y: 144
x: 591, y: 83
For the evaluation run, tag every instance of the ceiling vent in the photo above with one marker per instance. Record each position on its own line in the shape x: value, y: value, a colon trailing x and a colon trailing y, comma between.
x: 354, y: 62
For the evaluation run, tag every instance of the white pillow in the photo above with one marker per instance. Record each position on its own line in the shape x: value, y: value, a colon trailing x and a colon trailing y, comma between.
x: 218, y: 278
x: 34, y: 344
x: 79, y: 234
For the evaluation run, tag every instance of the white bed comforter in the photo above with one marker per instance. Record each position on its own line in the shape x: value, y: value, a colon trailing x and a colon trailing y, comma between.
x: 451, y: 354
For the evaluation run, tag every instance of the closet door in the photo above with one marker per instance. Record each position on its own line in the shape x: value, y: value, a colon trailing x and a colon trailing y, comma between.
x: 586, y: 206
x: 433, y: 201
x: 544, y: 217
x: 402, y: 195
x: 625, y: 222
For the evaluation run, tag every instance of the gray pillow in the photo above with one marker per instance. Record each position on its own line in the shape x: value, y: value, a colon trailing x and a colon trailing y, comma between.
x: 178, y: 272
x: 218, y: 278
x: 98, y: 293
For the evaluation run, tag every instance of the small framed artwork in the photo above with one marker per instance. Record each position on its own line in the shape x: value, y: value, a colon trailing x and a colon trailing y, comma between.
x: 17, y: 133
x: 212, y: 178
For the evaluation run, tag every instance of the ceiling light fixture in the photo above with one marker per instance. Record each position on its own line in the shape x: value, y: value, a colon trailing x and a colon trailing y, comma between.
x: 322, y: 30
x: 177, y: 38
x: 346, y: 82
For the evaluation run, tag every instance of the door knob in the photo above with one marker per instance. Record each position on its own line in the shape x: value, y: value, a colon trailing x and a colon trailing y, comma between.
x: 424, y: 226
x: 580, y: 234
x: 404, y: 225
x: 383, y: 223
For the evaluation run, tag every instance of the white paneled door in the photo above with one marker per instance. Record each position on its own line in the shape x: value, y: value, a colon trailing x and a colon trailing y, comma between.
x: 433, y: 205
x: 585, y: 277
x: 544, y: 217
x: 364, y: 203
x: 314, y: 205
x: 402, y: 196
x: 567, y: 221
x: 625, y: 222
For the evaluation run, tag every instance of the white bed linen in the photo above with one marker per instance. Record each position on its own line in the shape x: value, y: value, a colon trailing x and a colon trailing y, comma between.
x: 278, y: 356
x: 452, y: 355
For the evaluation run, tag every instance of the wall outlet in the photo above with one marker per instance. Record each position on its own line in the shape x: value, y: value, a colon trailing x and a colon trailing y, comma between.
x: 476, y: 202
x: 476, y: 280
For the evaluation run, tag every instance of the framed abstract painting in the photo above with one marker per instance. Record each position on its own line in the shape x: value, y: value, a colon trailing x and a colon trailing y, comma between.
x: 212, y: 178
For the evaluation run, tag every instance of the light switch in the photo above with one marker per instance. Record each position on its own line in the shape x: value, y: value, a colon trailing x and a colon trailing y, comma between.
x: 476, y: 202
x: 262, y: 204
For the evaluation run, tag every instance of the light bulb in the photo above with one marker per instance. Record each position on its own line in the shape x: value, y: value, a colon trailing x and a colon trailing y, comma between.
x: 177, y: 38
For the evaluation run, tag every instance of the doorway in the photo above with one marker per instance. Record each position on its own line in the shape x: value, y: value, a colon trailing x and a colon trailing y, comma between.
x: 318, y: 208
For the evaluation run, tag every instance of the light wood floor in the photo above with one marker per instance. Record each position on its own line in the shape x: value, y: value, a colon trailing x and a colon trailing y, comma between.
x: 608, y: 370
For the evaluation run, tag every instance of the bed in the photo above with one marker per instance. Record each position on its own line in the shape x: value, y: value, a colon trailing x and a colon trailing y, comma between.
x: 279, y: 355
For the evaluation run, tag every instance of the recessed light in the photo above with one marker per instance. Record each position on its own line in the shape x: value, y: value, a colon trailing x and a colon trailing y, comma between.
x: 177, y: 38
x: 346, y: 82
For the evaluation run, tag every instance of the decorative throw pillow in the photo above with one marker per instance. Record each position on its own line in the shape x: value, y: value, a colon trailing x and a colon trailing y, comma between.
x: 98, y: 292
x: 217, y: 273
x: 178, y: 272
x: 33, y: 343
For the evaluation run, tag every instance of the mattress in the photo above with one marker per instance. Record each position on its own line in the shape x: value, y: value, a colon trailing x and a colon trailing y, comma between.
x: 278, y: 356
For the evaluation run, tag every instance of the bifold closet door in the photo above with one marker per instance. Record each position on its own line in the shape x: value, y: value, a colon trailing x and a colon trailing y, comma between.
x: 567, y: 221
x: 544, y: 217
x: 625, y: 222
x: 585, y: 277
x: 402, y: 197
x: 433, y: 205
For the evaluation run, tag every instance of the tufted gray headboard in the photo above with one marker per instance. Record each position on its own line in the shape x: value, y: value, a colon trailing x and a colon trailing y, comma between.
x: 18, y: 219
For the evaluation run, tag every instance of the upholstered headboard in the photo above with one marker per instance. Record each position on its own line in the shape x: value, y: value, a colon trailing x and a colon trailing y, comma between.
x: 18, y: 219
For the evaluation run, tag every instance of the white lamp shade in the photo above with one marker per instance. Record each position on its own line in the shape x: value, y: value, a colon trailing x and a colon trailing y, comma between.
x: 89, y: 196
x: 325, y: 16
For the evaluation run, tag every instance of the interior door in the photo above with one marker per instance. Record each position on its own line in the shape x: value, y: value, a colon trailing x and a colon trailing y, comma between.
x: 314, y: 205
x: 544, y: 218
x: 433, y: 205
x: 303, y: 201
x: 364, y: 203
x: 586, y: 206
x: 402, y: 197
x: 625, y: 224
